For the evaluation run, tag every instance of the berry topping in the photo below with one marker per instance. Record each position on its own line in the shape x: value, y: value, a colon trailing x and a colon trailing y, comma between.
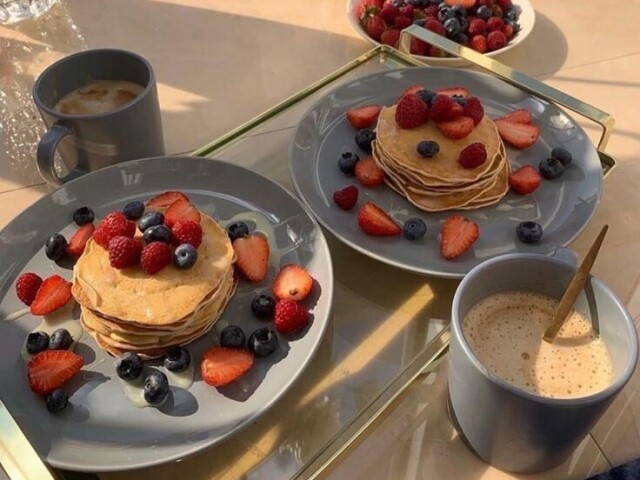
x: 364, y: 138
x: 411, y: 112
x: 495, y: 23
x: 369, y: 173
x: 508, y: 31
x: 375, y: 221
x: 252, y: 257
x: 54, y: 293
x: 374, y: 26
x: 550, y: 168
x: 390, y: 37
x: 418, y: 47
x: 221, y: 365
x: 457, y: 236
x: 263, y: 342
x: 456, y: 129
x: 157, y: 233
x: 177, y: 359
x: 292, y: 283
x: 150, y: 219
x: 428, y: 148
x: 49, y: 370
x: 237, y: 230
x: 525, y: 180
x: 529, y: 232
x: 185, y: 256
x: 165, y: 199
x: 83, y: 215
x: 389, y: 12
x: 124, y: 252
x: 133, y: 210
x: 479, y: 43
x: 518, y: 135
x: 232, y: 336
x: 187, y: 231
x: 473, y: 155
x: 155, y: 388
x: 426, y: 96
x: 451, y: 91
x: 129, y: 366
x: 27, y: 285
x: 79, y: 240
x: 435, y: 26
x: 562, y: 155
x: 55, y: 247
x: 412, y: 90
x: 155, y: 256
x: 443, y: 109
x: 364, y: 116
x: 346, y: 198
x: 57, y: 401
x: 522, y: 115
x: 181, y: 210
x: 477, y: 26
x: 60, y: 339
x: 474, y: 110
x: 347, y: 163
x: 37, y: 342
x: 496, y: 40
x: 263, y: 306
x: 290, y: 316
x: 414, y: 229
x: 112, y: 225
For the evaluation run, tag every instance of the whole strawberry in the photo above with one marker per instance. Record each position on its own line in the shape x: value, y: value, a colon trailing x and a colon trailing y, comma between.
x: 411, y: 112
x: 290, y: 316
x: 155, y: 257
x: 124, y: 252
x: 374, y: 26
x: 187, y: 231
x: 27, y: 285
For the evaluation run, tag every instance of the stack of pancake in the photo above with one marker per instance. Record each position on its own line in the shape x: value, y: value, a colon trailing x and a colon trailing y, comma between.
x: 128, y: 310
x: 440, y: 183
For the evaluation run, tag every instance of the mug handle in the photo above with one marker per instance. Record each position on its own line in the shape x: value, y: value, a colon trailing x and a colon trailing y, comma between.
x: 46, y: 151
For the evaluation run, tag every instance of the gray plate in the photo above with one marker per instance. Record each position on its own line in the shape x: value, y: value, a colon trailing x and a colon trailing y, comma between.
x: 563, y: 207
x: 102, y: 431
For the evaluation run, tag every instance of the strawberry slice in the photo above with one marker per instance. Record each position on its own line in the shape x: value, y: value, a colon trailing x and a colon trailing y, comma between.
x: 518, y: 135
x: 76, y: 245
x: 522, y: 115
x: 181, y: 209
x: 456, y: 129
x: 363, y: 117
x: 165, y: 199
x: 451, y: 91
x: 54, y: 293
x: 346, y: 198
x: 457, y: 236
x: 369, y: 173
x: 412, y: 90
x: 375, y: 221
x: 222, y: 365
x: 252, y: 257
x: 50, y: 369
x: 525, y: 180
x: 292, y: 283
x: 463, y: 3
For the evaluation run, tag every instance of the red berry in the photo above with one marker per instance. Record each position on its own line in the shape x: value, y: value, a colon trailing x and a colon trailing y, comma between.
x: 222, y: 365
x: 418, y: 47
x: 181, y: 210
x: 508, y: 31
x: 503, y: 4
x: 407, y: 11
x: 187, y: 231
x: 456, y: 129
x: 525, y: 180
x: 27, y: 285
x: 53, y: 294
x: 292, y: 283
x: 364, y: 116
x: 497, y: 11
x: 473, y: 155
x: 124, y: 252
x: 435, y: 26
x: 431, y: 11
x: 375, y: 221
x: 155, y: 256
x: 518, y: 135
x: 444, y: 109
x: 457, y: 236
x: 389, y: 12
x: 290, y: 316
x: 477, y: 26
x: 451, y: 91
x: 522, y: 115
x: 496, y: 40
x: 79, y: 240
x: 346, y: 198
x: 165, y: 199
x: 411, y: 112
x: 374, y: 26
x: 402, y: 22
x: 111, y: 226
x: 50, y: 369
x: 474, y: 110
x: 252, y: 257
x: 479, y: 43
x: 495, y: 23
x: 485, y: 3
x: 369, y: 173
x: 390, y: 37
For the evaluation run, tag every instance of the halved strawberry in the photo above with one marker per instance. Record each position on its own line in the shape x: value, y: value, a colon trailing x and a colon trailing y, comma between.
x: 50, y: 369
x: 457, y: 236
x: 375, y: 221
x: 522, y: 115
x: 363, y: 117
x: 412, y: 90
x: 222, y: 365
x: 54, y: 293
x: 463, y: 3
x: 451, y: 91
x: 524, y: 180
x: 292, y: 283
x: 79, y: 240
x: 181, y: 209
x: 369, y: 173
x: 252, y: 256
x: 518, y: 135
x: 456, y: 129
x: 165, y: 199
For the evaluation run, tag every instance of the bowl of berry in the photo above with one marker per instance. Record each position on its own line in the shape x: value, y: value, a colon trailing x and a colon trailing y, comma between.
x: 491, y: 27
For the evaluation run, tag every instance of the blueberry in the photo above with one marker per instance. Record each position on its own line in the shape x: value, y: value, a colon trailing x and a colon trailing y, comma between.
x: 55, y: 247
x: 414, y: 229
x: 426, y: 96
x: 459, y: 11
x: 83, y: 215
x: 263, y: 306
x: 551, y: 168
x: 459, y: 99
x: 512, y: 13
x: 428, y: 148
x: 347, y: 163
x: 561, y: 154
x: 515, y: 25
x: 61, y: 339
x: 452, y: 26
x: 150, y: 219
x: 57, y: 401
x: 418, y: 3
x: 461, y: 38
x: 177, y: 359
x: 419, y: 21
x: 37, y: 342
x: 263, y: 342
x: 529, y: 232
x: 232, y: 337
x: 364, y: 138
x: 185, y: 256
x: 237, y: 230
x: 157, y: 233
x: 133, y: 210
x: 464, y: 24
x: 155, y: 388
x: 445, y: 13
x: 129, y: 366
x: 484, y: 12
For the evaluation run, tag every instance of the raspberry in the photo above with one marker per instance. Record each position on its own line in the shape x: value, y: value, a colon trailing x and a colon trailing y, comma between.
x: 479, y: 43
x: 495, y: 23
x: 477, y: 26
x: 418, y: 47
x: 443, y: 108
x: 435, y: 26
x: 290, y: 316
x: 111, y: 226
x: 390, y: 37
x: 508, y: 31
x: 27, y: 285
x: 431, y: 11
x: 473, y: 156
x: 187, y: 231
x: 486, y: 3
x: 496, y: 40
x: 388, y: 13
x: 155, y: 257
x: 411, y: 112
x: 402, y: 22
x: 124, y: 252
x: 503, y: 4
x: 474, y: 110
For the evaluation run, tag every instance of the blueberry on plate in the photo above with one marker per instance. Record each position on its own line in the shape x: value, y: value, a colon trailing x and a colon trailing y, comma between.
x: 237, y: 230
x: 414, y: 229
x: 428, y: 148
x: 83, y: 215
x: 550, y: 168
x: 57, y: 401
x: 185, y: 256
x: 562, y: 155
x: 133, y: 210
x: 177, y: 359
x: 263, y: 306
x: 263, y: 342
x: 529, y: 232
x: 347, y: 163
x: 129, y: 366
x: 155, y: 388
x: 364, y: 138
x: 233, y: 337
x: 157, y: 233
x: 60, y: 339
x: 426, y: 95
x: 55, y: 247
x: 37, y: 342
x: 150, y: 219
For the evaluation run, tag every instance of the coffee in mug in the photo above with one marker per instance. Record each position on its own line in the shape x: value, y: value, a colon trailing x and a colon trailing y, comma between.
x: 98, y: 96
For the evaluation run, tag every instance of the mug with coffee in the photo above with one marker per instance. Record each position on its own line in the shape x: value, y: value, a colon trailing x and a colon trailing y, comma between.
x: 101, y: 108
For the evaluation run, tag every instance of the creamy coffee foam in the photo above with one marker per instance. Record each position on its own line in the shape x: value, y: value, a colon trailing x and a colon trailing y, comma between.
x: 505, y: 332
x: 100, y: 96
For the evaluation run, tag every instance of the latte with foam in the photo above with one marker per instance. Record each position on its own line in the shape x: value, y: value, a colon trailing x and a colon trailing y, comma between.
x: 99, y: 96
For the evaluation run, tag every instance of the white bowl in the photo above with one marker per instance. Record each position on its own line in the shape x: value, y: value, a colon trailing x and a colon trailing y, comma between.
x: 527, y: 20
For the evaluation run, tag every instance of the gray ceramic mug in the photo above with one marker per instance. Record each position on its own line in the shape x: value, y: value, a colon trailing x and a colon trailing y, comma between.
x: 507, y: 427
x: 90, y: 142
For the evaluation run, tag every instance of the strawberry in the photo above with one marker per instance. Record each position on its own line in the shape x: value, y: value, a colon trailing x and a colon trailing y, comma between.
x: 374, y: 26
x: 346, y: 198
x: 457, y: 236
x: 290, y: 316
x: 485, y: 3
x: 222, y: 365
x: 496, y: 40
x: 433, y: 25
x: 165, y: 199
x: 389, y: 12
x: 431, y: 11
x: 456, y: 129
x: 411, y: 112
x: 187, y: 231
x: 54, y: 293
x: 451, y: 91
x: 402, y: 22
x: 525, y: 180
x: 369, y: 173
x: 474, y: 110
x: 503, y: 4
x: 154, y: 257
x: 375, y: 221
x: 367, y: 8
x: 79, y: 240
x: 50, y: 369
x: 292, y: 283
x: 112, y: 225
x: 508, y: 31
x: 252, y: 257
x: 181, y: 210
x: 418, y: 47
x: 464, y: 3
x: 494, y: 23
x: 518, y: 135
x: 407, y: 10
x: 477, y: 26
x: 444, y: 109
x: 412, y: 90
x: 479, y: 43
x: 390, y: 37
x: 27, y: 285
x: 522, y: 115
x: 473, y: 155
x: 364, y: 116
x: 124, y: 252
